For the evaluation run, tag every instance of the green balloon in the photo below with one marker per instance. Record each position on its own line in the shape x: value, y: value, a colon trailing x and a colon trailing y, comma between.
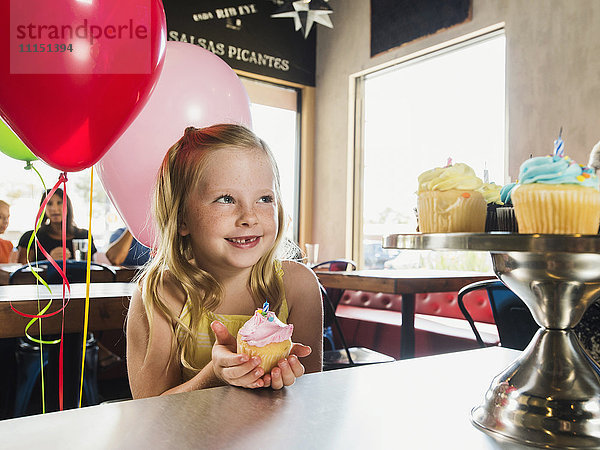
x: 12, y: 146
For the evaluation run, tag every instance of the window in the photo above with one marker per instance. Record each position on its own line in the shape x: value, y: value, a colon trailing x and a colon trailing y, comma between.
x: 416, y: 115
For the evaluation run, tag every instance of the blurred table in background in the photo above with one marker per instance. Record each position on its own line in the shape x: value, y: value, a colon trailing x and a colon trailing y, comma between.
x: 6, y: 269
x: 108, y: 307
x: 414, y: 281
x: 407, y: 283
x: 122, y: 274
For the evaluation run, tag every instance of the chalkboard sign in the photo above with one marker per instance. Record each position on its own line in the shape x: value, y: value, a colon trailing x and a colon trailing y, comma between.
x: 245, y: 36
x: 396, y: 22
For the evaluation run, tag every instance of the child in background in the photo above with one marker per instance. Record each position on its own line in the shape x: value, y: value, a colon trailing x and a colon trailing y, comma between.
x: 6, y: 247
x: 220, y: 222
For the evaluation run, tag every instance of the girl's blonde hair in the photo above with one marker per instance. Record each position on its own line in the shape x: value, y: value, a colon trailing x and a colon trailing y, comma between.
x: 181, y: 169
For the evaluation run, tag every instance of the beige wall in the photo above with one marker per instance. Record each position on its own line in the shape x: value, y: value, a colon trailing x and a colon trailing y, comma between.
x: 552, y: 75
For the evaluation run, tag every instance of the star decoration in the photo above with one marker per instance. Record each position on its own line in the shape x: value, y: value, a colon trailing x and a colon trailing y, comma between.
x: 305, y: 13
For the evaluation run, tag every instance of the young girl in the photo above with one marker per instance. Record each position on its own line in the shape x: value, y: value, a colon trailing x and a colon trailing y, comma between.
x: 220, y: 221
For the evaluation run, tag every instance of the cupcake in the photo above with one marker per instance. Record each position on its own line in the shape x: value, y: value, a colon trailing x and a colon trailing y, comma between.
x: 265, y: 336
x: 555, y: 195
x: 491, y: 195
x: 449, y: 200
x: 507, y: 221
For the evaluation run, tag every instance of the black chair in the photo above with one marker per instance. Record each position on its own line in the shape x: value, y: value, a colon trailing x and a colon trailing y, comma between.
x: 336, y: 265
x: 8, y: 376
x: 28, y: 365
x: 347, y: 356
x: 28, y: 369
x: 334, y: 295
x: 75, y: 271
x: 513, y: 319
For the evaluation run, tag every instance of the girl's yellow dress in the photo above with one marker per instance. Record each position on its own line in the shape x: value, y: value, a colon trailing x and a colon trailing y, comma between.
x: 202, y: 353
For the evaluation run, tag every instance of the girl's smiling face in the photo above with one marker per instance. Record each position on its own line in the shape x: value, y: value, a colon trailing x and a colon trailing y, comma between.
x: 231, y: 214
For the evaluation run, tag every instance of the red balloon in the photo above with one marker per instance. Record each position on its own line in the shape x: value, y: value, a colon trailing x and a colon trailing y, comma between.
x: 75, y: 73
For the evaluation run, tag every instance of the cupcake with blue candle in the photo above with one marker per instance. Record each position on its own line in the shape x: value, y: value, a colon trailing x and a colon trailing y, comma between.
x: 265, y: 336
x: 555, y: 195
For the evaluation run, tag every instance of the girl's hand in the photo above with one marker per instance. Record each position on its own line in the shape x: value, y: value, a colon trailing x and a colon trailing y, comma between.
x: 288, y: 369
x: 231, y: 367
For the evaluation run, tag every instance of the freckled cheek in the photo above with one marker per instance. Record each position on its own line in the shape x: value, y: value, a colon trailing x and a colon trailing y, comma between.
x: 268, y: 214
x: 208, y: 220
x: 268, y: 219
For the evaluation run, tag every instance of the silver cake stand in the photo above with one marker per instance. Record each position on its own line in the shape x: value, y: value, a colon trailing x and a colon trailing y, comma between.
x: 549, y: 396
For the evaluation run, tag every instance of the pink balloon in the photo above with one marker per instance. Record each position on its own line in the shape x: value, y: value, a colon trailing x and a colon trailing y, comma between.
x: 196, y: 88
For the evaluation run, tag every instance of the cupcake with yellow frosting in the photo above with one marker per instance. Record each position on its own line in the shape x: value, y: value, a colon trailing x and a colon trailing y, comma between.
x: 555, y: 195
x: 265, y: 336
x: 449, y: 200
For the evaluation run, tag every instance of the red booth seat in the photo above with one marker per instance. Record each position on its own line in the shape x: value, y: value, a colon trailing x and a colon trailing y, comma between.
x: 373, y: 320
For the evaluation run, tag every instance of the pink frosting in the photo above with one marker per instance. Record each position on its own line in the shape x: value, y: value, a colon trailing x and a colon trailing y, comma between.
x: 260, y: 330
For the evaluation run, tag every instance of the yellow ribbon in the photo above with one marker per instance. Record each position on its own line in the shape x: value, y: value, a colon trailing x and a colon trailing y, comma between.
x: 87, y: 288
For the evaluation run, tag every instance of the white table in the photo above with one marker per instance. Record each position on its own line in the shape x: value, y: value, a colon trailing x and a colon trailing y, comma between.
x: 421, y: 403
x: 407, y: 283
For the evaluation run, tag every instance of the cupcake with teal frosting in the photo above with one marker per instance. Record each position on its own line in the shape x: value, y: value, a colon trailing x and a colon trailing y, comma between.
x: 507, y: 221
x: 555, y: 195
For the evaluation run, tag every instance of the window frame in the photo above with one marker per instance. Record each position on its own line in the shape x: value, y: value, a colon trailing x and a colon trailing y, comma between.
x: 356, y: 144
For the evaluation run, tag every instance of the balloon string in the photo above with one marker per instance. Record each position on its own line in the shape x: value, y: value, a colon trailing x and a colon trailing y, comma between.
x: 87, y: 287
x: 38, y: 222
x: 32, y: 321
x: 40, y: 341
x: 34, y: 272
x: 63, y: 177
x: 41, y: 362
x: 62, y: 272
